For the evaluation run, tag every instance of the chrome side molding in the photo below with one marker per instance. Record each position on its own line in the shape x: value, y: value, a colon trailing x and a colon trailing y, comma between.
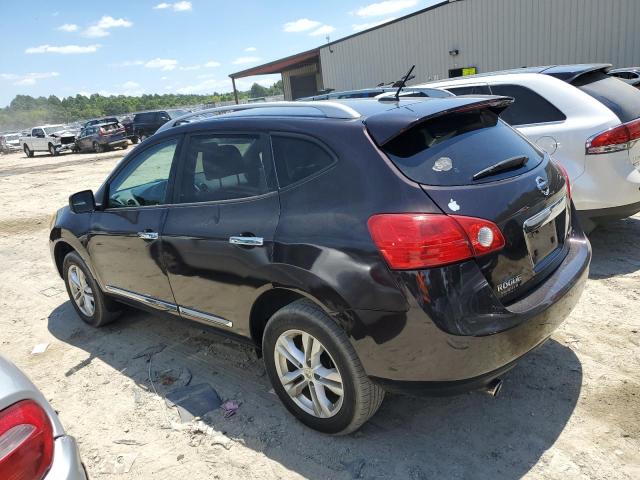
x: 188, y: 313
x: 203, y: 317
x: 138, y: 297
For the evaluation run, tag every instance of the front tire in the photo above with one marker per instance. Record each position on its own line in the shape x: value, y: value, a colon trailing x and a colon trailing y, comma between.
x: 52, y: 150
x: 28, y: 152
x: 134, y: 140
x: 87, y: 299
x: 315, y: 370
x: 97, y: 147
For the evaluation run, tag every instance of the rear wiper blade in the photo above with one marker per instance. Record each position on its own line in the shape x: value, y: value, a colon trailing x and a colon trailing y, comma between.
x: 502, y: 166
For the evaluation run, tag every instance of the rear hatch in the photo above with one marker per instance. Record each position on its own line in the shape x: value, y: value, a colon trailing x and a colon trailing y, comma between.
x: 112, y: 131
x: 470, y: 163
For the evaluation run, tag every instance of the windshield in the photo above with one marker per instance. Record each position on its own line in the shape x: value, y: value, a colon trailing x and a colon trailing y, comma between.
x: 53, y: 129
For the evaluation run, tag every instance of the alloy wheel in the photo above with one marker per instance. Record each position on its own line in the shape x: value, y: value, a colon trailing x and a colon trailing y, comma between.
x: 81, y: 291
x: 308, y: 374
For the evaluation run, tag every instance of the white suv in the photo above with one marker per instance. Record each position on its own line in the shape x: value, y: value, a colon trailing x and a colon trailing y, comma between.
x: 589, y: 121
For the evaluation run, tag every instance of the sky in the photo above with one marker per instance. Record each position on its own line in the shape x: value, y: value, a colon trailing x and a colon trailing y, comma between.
x: 133, y: 47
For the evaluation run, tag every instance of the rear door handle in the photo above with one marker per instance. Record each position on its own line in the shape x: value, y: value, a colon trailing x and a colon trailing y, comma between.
x: 247, y: 241
x: 148, y: 235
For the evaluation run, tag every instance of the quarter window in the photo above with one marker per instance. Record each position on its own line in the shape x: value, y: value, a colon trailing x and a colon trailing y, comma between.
x: 224, y: 167
x: 528, y: 108
x: 297, y: 159
x: 144, y: 180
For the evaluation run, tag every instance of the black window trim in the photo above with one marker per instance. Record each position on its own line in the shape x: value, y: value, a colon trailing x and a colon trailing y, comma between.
x: 175, y: 194
x: 309, y: 138
x: 131, y: 158
x: 520, y: 125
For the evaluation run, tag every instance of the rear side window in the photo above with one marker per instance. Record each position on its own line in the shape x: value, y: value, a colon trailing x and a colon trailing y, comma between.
x: 470, y: 90
x: 144, y: 117
x: 451, y: 149
x: 297, y: 158
x: 619, y: 97
x: 528, y: 108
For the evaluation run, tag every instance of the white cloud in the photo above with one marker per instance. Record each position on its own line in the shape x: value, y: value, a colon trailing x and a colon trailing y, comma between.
x: 162, y: 63
x: 68, y: 27
x: 131, y: 88
x: 102, y: 27
x: 206, y: 86
x: 64, y: 49
x: 323, y: 30
x: 365, y: 26
x: 29, y: 78
x: 177, y: 7
x: 385, y: 8
x: 212, y: 64
x: 250, y: 49
x: 300, y: 25
x: 245, y: 60
x: 128, y: 63
x: 191, y: 67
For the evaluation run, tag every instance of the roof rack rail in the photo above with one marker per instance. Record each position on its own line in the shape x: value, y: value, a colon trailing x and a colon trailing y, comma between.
x: 321, y: 109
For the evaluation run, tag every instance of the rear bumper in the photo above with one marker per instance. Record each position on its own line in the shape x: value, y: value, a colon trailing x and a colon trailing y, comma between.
x: 603, y: 215
x: 118, y: 143
x: 417, y: 351
x: 66, y: 461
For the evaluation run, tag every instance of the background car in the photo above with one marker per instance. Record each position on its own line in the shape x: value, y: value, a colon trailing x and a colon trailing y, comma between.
x: 146, y: 124
x: 630, y: 75
x: 588, y: 120
x: 101, y: 137
x: 99, y: 121
x: 428, y: 253
x: 33, y: 443
x: 9, y: 142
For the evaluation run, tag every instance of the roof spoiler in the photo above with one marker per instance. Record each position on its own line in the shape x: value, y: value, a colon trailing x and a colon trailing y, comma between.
x: 570, y: 73
x: 385, y: 126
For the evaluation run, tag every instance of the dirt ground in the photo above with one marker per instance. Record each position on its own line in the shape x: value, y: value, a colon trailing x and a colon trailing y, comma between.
x: 569, y: 410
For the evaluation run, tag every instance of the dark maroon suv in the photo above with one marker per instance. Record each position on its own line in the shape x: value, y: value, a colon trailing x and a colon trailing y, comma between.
x: 416, y: 245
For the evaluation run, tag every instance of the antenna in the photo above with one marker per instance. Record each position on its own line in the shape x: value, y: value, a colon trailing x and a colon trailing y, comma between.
x: 404, y: 80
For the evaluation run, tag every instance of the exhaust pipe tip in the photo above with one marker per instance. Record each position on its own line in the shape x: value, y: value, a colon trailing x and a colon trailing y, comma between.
x: 494, y: 387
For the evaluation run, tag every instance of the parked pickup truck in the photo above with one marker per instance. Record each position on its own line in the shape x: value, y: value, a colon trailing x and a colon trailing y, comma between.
x: 48, y: 138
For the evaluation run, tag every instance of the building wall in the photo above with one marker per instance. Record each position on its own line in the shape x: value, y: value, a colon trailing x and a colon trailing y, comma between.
x: 304, y: 70
x: 490, y: 35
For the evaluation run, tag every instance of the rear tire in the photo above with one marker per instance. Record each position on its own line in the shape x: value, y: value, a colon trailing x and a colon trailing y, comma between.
x: 91, y: 305
x: 28, y: 152
x: 134, y: 140
x: 338, y: 370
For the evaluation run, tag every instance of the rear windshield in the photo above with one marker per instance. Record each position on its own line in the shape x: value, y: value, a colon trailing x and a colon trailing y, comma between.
x: 620, y: 97
x: 451, y: 149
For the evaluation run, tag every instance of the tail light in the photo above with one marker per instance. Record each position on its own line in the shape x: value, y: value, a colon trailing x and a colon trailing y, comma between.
x: 410, y: 241
x: 26, y: 442
x: 615, y: 139
x: 565, y: 174
x: 101, y: 131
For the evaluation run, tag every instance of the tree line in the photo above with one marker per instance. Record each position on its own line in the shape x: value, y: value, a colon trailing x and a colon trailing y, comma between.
x: 25, y: 111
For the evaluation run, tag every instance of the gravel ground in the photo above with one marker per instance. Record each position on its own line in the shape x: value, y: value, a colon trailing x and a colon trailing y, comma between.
x: 569, y: 410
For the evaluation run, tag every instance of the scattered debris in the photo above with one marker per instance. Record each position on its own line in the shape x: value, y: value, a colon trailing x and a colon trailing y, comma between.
x: 150, y: 351
x: 175, y: 377
x: 230, y: 408
x: 193, y: 401
x: 40, y: 348
x: 129, y: 442
x: 120, y: 464
x: 216, y: 438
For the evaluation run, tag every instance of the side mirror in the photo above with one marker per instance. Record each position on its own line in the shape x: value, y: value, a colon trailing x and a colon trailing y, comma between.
x: 82, y: 202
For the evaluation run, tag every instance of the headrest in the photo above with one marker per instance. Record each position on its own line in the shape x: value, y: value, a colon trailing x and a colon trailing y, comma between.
x: 221, y: 162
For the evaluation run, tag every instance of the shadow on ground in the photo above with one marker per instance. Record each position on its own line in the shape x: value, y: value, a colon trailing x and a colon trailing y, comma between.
x: 615, y: 248
x: 469, y: 436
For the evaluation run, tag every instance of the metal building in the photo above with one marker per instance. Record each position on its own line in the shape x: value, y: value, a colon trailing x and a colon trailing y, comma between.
x: 458, y: 37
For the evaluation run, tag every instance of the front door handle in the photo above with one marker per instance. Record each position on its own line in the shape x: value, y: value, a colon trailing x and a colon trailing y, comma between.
x: 148, y: 235
x: 247, y: 241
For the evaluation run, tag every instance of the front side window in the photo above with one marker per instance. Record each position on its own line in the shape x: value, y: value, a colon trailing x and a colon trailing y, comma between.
x: 297, y: 158
x: 528, y: 108
x: 224, y: 167
x: 143, y: 182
